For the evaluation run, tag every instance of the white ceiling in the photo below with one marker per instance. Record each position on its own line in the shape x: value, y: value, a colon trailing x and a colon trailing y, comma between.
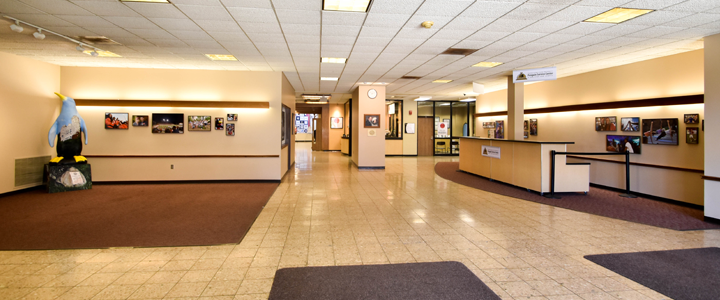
x: 381, y: 46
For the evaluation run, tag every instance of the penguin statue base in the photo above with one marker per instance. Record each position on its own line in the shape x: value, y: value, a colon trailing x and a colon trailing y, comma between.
x: 68, y: 177
x: 69, y: 160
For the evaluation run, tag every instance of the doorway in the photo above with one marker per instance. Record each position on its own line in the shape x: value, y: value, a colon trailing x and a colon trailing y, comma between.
x: 317, y: 136
x: 425, y: 136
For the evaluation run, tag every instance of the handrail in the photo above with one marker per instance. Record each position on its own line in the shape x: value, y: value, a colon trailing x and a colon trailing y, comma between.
x: 552, y: 171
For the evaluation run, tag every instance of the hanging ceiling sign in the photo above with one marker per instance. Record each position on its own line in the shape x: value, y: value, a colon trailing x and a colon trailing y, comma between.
x: 542, y: 74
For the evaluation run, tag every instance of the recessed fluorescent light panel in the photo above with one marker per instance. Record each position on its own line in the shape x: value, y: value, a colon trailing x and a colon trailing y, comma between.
x: 334, y: 60
x: 468, y: 100
x: 442, y: 81
x: 618, y: 15
x: 346, y: 5
x: 423, y: 98
x: 487, y: 64
x: 101, y: 53
x: 151, y: 1
x: 329, y: 78
x: 221, y: 57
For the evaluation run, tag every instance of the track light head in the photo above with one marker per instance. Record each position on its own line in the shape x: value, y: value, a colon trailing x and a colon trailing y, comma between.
x: 39, y: 35
x: 94, y: 53
x: 80, y: 48
x: 16, y: 27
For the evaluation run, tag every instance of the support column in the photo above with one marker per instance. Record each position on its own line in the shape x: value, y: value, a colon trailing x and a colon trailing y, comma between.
x: 368, y: 149
x: 712, y: 126
x: 516, y: 110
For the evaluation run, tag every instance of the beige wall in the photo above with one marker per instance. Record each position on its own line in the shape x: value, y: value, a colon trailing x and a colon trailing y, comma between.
x: 368, y: 151
x: 257, y: 130
x: 334, y: 135
x: 712, y: 126
x: 288, y: 99
x: 28, y: 108
x: 675, y: 75
x: 409, y: 140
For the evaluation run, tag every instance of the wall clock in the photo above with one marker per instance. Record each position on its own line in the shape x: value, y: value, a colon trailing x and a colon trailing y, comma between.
x: 372, y: 93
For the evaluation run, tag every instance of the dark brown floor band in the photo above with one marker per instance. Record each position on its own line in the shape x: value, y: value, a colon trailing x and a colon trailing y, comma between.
x: 598, y: 201
x: 678, y: 274
x: 437, y: 281
x: 132, y: 215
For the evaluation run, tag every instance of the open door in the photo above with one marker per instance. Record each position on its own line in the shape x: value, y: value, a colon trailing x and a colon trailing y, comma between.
x: 317, y: 134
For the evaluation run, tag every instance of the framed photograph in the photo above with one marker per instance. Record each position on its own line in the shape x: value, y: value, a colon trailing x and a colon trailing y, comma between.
x: 525, y: 134
x: 168, y: 123
x: 525, y: 125
x: 116, y: 120
x: 660, y: 131
x: 489, y: 125
x: 336, y: 123
x: 286, y: 126
x: 232, y: 117
x: 230, y: 129
x: 692, y: 118
x: 141, y: 120
x: 692, y: 135
x: 499, y: 129
x: 630, y: 124
x: 533, y: 126
x: 372, y: 121
x: 199, y: 123
x: 622, y: 144
x: 606, y: 124
x: 219, y: 123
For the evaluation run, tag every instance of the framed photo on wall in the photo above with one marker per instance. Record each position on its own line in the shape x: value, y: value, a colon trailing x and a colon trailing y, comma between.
x: 336, y: 123
x: 168, y: 123
x: 630, y: 124
x: 372, y: 121
x: 230, y: 129
x: 199, y: 123
x: 219, y: 123
x: 286, y: 126
x: 692, y: 118
x: 232, y: 117
x: 533, y: 127
x: 660, y: 131
x: 525, y: 125
x: 141, y: 120
x: 499, y: 129
x: 116, y: 120
x: 605, y: 123
x: 692, y: 135
x: 622, y: 143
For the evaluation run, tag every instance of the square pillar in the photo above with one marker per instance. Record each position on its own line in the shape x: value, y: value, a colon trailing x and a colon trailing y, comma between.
x: 516, y: 110
x: 712, y: 126
x: 368, y: 151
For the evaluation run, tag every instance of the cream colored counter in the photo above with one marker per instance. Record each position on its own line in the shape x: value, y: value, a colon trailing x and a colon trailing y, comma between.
x: 524, y: 164
x: 345, y: 146
x: 393, y: 147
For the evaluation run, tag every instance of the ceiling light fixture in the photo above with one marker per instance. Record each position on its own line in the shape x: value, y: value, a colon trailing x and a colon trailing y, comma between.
x: 442, y: 81
x: 428, y: 24
x: 618, y: 15
x: 150, y: 1
x: 329, y: 78
x: 423, y: 98
x: 468, y: 100
x: 225, y: 57
x: 16, y: 27
x: 487, y: 64
x: 315, y: 102
x: 315, y: 96
x: 39, y: 35
x: 333, y: 60
x: 347, y: 5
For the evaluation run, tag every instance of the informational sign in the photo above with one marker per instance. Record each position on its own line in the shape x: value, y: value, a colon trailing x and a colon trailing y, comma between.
x: 391, y: 109
x: 77, y: 178
x: 541, y: 74
x: 372, y: 132
x: 442, y: 129
x: 409, y: 127
x: 490, y: 151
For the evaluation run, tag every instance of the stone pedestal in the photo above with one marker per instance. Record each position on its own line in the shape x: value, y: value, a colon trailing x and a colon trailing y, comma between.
x: 70, y: 177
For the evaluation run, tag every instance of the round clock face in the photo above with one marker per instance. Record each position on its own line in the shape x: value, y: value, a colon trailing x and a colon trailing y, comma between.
x: 372, y: 93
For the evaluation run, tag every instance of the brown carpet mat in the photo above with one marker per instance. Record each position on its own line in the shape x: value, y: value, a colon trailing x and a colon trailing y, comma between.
x: 600, y: 202
x: 678, y: 274
x: 131, y: 215
x: 437, y: 280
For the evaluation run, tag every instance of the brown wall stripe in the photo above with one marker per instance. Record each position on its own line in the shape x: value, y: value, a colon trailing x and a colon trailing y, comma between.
x: 176, y: 156
x: 639, y: 164
x: 172, y: 103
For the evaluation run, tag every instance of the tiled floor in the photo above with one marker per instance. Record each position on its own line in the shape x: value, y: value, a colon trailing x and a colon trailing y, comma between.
x: 328, y: 213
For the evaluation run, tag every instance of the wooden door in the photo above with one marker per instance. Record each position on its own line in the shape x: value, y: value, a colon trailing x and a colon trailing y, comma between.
x: 317, y: 136
x: 425, y: 133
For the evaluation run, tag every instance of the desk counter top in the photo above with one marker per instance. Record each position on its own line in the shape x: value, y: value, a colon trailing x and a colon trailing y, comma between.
x: 514, y: 141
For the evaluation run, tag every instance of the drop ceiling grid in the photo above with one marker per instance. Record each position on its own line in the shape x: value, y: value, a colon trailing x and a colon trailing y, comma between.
x: 530, y: 33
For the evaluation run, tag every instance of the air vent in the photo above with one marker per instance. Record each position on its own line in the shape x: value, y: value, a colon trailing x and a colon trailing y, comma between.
x: 411, y: 77
x: 30, y: 170
x: 98, y: 40
x: 459, y: 51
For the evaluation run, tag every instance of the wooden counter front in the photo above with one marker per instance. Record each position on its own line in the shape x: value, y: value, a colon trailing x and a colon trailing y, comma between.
x: 345, y: 146
x: 524, y: 164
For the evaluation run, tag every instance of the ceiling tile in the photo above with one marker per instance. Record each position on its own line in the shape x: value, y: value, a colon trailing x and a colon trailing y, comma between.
x: 298, y: 4
x: 132, y: 22
x: 87, y: 21
x: 301, y: 29
x: 286, y: 16
x: 57, y: 7
x: 403, y: 7
x: 175, y: 24
x: 155, y: 10
x: 201, y: 12
x: 253, y: 15
x: 342, y: 18
x: 151, y: 33
x: 651, y: 4
x: 533, y: 11
x: 43, y: 20
x: 490, y: 9
x: 339, y: 30
x: 16, y: 7
x: 443, y: 8
x: 247, y: 3
x: 385, y: 20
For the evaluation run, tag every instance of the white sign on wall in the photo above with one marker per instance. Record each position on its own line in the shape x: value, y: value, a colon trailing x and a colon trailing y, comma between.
x: 442, y: 129
x: 409, y: 127
x: 541, y: 74
x: 490, y: 151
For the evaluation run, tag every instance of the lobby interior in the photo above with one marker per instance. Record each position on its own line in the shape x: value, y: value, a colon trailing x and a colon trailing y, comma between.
x: 358, y: 198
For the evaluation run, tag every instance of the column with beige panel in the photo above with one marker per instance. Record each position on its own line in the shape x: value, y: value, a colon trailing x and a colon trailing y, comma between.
x: 368, y: 143
x: 712, y: 127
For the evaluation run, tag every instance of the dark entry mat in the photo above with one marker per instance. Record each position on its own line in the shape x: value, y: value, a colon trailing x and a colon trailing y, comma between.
x: 678, y: 274
x: 437, y: 280
x: 599, y: 202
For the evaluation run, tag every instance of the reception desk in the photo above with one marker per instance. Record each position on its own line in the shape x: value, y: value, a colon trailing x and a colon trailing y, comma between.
x: 524, y: 164
x: 345, y: 145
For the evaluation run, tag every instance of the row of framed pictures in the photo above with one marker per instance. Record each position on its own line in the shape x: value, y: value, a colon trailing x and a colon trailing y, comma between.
x: 654, y: 131
x: 530, y: 128
x: 170, y: 122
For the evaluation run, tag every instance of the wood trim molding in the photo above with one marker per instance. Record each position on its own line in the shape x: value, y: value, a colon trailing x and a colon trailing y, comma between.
x: 178, y: 156
x: 711, y: 178
x: 172, y: 103
x: 639, y: 164
x: 679, y: 100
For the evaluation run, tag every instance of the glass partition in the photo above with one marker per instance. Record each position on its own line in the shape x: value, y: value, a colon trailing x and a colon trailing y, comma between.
x: 443, y: 127
x: 393, y: 124
x: 460, y: 126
